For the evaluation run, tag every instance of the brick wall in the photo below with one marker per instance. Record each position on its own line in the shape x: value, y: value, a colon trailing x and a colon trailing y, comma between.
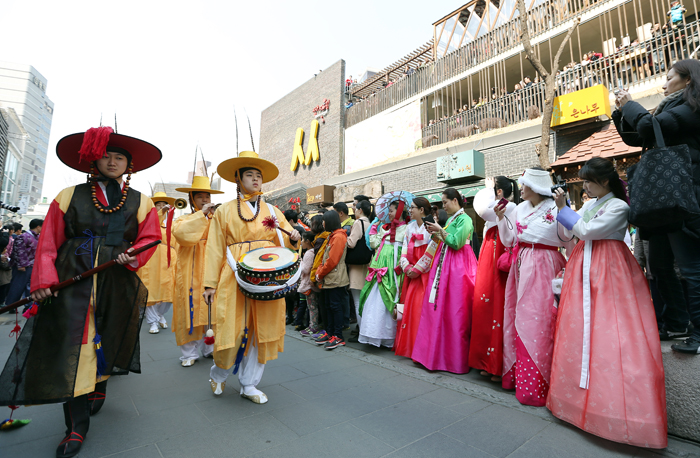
x: 280, y: 121
x: 504, y: 159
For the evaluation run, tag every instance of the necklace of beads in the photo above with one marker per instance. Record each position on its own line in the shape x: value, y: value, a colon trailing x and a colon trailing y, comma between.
x: 97, y: 203
x: 257, y: 210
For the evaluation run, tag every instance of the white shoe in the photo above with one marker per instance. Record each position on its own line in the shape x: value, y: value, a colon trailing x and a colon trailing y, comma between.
x: 217, y: 388
x: 256, y: 396
x: 188, y: 362
x: 162, y: 323
x: 154, y: 328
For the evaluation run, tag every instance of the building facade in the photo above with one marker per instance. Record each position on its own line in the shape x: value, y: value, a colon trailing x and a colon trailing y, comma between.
x: 307, y: 122
x: 23, y: 88
x: 471, y: 89
x: 17, y: 138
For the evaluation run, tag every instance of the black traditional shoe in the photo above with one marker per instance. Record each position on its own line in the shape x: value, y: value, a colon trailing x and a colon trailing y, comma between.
x: 97, y: 398
x: 689, y: 345
x: 667, y: 334
x: 76, y: 413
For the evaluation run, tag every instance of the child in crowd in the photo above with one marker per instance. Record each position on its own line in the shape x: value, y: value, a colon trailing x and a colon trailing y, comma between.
x: 308, y: 292
x: 607, y: 373
x: 332, y: 276
x: 320, y: 244
x: 530, y: 307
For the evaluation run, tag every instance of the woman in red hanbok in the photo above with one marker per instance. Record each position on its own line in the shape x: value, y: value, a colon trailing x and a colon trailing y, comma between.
x: 486, y: 348
x: 415, y: 243
x: 607, y: 373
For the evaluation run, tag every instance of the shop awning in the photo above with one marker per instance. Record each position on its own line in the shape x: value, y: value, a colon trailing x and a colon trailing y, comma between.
x: 436, y: 195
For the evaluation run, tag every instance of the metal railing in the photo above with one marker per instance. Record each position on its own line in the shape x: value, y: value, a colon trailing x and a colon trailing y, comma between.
x: 629, y: 67
x: 540, y: 19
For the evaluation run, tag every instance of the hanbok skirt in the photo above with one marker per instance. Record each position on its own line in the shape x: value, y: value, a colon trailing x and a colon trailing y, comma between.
x: 529, y: 320
x: 442, y: 343
x: 412, y: 295
x: 626, y: 396
x: 486, y: 346
x: 378, y: 299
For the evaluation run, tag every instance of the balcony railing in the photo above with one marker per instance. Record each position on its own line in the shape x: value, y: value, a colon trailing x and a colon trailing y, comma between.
x: 540, y: 19
x: 630, y: 67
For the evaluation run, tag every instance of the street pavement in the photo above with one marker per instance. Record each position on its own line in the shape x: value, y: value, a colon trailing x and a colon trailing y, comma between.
x: 354, y: 402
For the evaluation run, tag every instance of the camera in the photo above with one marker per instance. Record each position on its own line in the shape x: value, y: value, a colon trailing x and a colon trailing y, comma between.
x: 563, y: 186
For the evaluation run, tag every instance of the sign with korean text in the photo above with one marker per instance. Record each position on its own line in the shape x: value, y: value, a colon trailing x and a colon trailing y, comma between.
x: 320, y: 195
x: 584, y: 104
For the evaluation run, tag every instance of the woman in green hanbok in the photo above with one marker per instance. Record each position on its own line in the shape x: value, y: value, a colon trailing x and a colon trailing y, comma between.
x: 381, y: 292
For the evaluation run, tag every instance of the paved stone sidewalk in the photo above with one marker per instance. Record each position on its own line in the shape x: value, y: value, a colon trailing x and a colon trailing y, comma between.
x: 352, y: 402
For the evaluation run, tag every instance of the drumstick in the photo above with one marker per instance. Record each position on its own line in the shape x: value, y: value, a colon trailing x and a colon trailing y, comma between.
x: 271, y: 223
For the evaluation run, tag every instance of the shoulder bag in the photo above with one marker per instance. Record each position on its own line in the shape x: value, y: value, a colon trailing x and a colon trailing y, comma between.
x: 361, y: 254
x: 661, y: 186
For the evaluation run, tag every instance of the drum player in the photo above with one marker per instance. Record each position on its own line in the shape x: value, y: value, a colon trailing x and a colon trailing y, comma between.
x: 248, y: 332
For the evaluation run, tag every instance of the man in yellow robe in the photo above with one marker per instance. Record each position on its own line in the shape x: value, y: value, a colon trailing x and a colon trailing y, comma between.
x: 190, y: 312
x: 158, y: 275
x: 238, y: 226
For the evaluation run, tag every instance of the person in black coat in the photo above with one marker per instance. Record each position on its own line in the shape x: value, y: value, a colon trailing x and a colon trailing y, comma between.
x: 678, y: 115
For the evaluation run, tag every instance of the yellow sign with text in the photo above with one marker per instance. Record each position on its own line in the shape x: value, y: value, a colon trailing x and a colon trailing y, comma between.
x: 584, y: 104
x: 312, y: 153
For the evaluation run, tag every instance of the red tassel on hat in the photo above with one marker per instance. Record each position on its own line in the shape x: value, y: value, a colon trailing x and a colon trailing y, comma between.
x: 95, y: 143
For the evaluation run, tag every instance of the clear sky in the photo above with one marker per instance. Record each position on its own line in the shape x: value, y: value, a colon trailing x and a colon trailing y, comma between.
x: 173, y: 70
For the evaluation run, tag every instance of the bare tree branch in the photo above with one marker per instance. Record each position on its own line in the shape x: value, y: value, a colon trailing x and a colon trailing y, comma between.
x: 527, y: 44
x: 549, y: 77
x: 555, y: 64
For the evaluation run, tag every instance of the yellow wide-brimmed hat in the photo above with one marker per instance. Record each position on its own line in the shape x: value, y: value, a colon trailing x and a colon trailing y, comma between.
x: 199, y: 184
x: 163, y: 197
x: 227, y: 169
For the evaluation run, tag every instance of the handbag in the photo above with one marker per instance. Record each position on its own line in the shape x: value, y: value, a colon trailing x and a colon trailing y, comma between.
x: 661, y: 186
x: 361, y: 254
x: 505, y: 260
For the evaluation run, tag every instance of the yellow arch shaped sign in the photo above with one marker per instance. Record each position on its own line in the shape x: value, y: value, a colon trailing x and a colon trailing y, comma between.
x: 312, y: 153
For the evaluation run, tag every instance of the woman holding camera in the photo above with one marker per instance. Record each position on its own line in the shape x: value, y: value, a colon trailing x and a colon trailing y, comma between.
x: 607, y: 373
x: 530, y: 309
x: 678, y: 115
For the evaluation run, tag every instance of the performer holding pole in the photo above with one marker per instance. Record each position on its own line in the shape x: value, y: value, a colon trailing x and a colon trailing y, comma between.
x: 158, y: 275
x: 191, y: 315
x: 90, y: 330
x: 237, y: 228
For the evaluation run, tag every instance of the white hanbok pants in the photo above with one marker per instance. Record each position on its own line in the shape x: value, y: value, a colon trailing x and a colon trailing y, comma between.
x: 249, y: 374
x: 155, y: 311
x: 191, y: 350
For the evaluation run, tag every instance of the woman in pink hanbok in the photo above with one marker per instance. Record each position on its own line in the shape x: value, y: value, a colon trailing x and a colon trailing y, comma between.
x: 607, y: 373
x: 530, y: 307
x: 442, y: 343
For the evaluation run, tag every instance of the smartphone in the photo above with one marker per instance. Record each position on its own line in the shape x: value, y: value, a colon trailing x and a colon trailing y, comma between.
x: 502, y: 203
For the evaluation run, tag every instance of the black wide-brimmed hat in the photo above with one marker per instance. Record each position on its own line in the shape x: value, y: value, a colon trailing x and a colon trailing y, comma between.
x: 79, y: 150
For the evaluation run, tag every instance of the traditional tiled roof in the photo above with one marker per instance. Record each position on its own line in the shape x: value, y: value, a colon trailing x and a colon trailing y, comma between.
x: 604, y: 143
